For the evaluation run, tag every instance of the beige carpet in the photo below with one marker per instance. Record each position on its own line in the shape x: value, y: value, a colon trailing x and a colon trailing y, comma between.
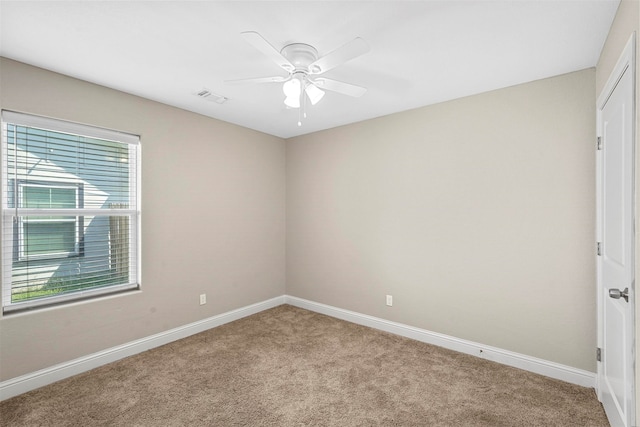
x: 291, y: 367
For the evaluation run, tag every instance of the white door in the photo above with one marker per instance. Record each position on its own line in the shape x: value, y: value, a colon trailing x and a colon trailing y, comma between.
x: 616, y: 234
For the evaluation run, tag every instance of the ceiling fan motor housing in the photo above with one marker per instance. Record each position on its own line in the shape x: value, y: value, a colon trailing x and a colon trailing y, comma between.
x: 301, y: 55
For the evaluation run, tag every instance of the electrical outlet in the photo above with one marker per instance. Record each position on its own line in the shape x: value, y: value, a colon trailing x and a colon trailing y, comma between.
x: 389, y: 300
x: 203, y: 299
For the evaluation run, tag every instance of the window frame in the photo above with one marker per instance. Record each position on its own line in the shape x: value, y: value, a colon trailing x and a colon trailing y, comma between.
x: 132, y: 211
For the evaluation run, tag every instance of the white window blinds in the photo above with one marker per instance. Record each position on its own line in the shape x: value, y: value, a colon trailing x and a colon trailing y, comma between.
x: 70, y: 211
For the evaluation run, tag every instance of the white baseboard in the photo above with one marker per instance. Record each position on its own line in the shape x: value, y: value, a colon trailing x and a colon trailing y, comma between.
x: 505, y: 357
x: 31, y: 381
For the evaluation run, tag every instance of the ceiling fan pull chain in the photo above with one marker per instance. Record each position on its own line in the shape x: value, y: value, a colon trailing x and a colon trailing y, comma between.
x: 301, y: 109
x: 304, y: 101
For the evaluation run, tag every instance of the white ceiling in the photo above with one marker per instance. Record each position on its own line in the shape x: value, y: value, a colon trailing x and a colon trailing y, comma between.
x: 422, y: 52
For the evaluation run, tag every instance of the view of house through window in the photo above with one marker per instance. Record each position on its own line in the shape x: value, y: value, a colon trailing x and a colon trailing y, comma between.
x: 70, y: 211
x: 52, y: 236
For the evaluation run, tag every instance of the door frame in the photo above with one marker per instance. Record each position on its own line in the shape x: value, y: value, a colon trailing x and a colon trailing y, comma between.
x: 626, y: 61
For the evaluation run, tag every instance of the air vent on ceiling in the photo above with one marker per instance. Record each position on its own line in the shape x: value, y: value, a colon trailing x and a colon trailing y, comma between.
x: 211, y: 97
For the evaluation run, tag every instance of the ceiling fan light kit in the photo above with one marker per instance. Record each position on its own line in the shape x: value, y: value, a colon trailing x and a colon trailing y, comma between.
x: 292, y: 90
x: 302, y: 63
x: 314, y: 93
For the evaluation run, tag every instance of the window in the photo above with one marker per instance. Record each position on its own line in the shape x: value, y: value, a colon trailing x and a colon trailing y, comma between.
x: 70, y: 211
x: 51, y: 236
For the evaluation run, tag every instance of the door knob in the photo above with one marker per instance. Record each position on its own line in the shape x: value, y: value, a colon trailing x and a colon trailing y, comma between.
x: 617, y: 294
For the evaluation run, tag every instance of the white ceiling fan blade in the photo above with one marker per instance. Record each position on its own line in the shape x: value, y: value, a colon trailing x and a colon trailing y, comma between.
x: 274, y: 79
x: 349, y: 51
x: 340, y: 87
x: 257, y: 41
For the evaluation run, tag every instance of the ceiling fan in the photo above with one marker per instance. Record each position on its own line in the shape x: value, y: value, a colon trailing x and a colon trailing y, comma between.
x: 303, y: 64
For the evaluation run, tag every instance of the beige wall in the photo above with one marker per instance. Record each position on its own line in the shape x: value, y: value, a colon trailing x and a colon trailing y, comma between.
x: 213, y: 200
x: 477, y: 215
x: 626, y: 22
